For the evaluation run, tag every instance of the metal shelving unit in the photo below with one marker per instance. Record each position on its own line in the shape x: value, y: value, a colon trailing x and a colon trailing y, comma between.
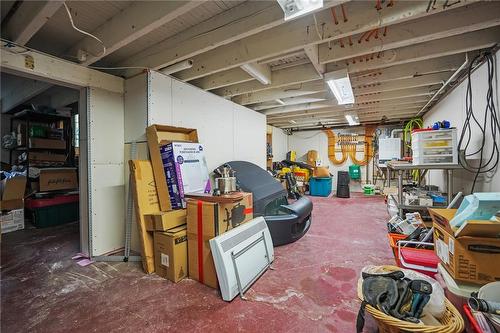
x: 401, y: 168
x: 29, y: 118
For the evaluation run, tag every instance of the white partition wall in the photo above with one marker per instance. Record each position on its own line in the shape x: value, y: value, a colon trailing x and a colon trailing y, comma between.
x: 227, y: 130
x: 106, y: 193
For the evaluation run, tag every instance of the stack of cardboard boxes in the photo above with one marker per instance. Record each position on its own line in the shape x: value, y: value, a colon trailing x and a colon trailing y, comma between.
x: 175, y: 242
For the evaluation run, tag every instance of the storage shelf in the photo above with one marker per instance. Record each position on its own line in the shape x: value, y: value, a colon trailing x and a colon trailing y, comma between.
x: 423, y: 167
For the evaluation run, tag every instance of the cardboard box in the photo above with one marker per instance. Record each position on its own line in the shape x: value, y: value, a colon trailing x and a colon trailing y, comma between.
x: 312, y: 157
x: 12, y: 220
x: 12, y: 193
x: 41, y: 143
x: 55, y: 179
x: 186, y: 170
x: 468, y: 253
x: 171, y: 253
x: 145, y: 204
x: 159, y: 135
x: 163, y: 221
x: 46, y: 157
x: 205, y: 220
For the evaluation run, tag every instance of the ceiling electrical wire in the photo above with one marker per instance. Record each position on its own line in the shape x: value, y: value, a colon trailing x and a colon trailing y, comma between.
x: 489, y: 126
x: 84, y: 32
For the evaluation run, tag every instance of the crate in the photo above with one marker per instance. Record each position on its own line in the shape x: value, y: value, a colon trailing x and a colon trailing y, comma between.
x: 47, y: 212
x: 320, y: 187
x: 434, y: 147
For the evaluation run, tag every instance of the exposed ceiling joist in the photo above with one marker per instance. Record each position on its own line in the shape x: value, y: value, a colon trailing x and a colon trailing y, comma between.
x: 280, y: 78
x: 397, y: 94
x: 260, y: 72
x: 239, y: 22
x: 340, y: 120
x: 29, y: 18
x: 233, y: 76
x: 299, y: 33
x: 333, y: 109
x: 312, y: 53
x: 424, y: 51
x: 359, y: 91
x: 311, y: 107
x: 288, y: 91
x: 58, y: 71
x: 415, y: 69
x: 449, y: 23
x: 306, y: 73
x: 333, y: 114
x: 137, y: 20
x: 420, y: 81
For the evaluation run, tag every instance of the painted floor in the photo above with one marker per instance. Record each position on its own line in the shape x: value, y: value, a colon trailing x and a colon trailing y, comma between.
x: 312, y: 289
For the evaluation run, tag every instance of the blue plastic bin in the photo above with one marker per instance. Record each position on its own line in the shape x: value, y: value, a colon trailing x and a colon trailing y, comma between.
x: 320, y: 187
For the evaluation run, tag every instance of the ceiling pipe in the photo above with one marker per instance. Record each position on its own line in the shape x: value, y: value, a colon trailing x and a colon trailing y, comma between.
x: 465, y: 64
x: 180, y: 66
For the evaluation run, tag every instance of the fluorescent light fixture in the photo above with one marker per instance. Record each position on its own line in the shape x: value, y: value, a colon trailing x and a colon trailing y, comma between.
x: 353, y: 120
x: 260, y: 72
x: 292, y: 121
x: 296, y: 8
x: 340, y: 85
x: 280, y: 101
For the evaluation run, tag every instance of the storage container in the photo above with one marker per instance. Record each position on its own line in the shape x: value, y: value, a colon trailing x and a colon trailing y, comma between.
x: 434, y: 147
x: 393, y: 242
x: 53, y: 211
x: 354, y: 171
x: 320, y: 187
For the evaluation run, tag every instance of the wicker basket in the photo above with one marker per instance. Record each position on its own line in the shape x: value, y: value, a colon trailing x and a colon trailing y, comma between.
x: 452, y: 321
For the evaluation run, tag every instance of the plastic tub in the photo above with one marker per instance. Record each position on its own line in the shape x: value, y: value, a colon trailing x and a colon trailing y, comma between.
x: 393, y: 242
x: 53, y: 211
x: 320, y: 187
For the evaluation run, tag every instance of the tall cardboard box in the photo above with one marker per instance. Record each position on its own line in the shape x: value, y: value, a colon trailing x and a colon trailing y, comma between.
x: 12, y: 193
x: 469, y: 253
x: 205, y: 220
x: 159, y: 135
x: 171, y: 253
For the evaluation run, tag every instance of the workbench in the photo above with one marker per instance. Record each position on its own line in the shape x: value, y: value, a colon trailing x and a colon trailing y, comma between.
x: 400, y: 168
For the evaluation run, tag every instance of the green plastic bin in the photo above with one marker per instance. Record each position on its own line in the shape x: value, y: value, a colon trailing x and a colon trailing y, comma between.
x: 355, y: 171
x: 58, y: 210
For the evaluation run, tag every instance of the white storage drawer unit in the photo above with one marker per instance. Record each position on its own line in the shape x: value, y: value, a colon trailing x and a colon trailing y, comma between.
x: 435, y: 147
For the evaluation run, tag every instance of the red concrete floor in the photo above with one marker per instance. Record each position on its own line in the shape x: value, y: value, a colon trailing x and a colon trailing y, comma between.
x: 312, y: 289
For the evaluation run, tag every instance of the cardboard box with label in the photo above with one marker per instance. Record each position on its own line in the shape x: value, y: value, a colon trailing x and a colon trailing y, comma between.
x: 205, y: 220
x: 12, y: 220
x: 468, y: 252
x: 171, y: 253
x: 160, y: 135
x: 186, y: 170
x: 12, y: 193
x: 55, y: 179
